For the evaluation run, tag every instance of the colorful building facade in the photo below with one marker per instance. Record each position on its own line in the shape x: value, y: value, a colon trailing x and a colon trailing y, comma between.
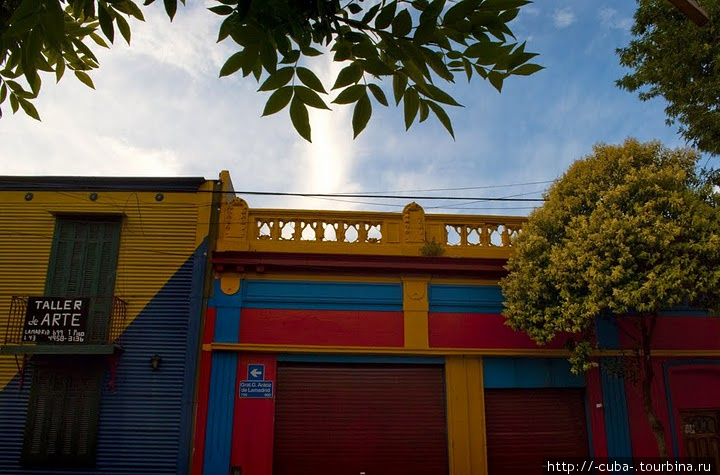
x: 101, y: 301
x: 310, y: 342
x: 373, y: 343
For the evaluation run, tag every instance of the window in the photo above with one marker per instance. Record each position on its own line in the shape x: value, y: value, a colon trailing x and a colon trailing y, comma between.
x: 63, y: 412
x: 64, y: 406
x: 82, y: 264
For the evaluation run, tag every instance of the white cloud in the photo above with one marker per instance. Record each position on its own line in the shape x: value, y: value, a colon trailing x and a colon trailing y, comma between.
x: 563, y: 17
x: 609, y: 18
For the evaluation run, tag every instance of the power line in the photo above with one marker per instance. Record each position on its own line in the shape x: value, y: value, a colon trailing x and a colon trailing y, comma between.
x: 365, y: 195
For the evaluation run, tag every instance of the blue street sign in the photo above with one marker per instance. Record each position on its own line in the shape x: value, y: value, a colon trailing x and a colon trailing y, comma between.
x: 256, y: 372
x: 256, y: 389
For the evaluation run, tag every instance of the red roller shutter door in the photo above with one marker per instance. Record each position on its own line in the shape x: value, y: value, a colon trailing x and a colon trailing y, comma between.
x: 526, y: 425
x: 348, y: 419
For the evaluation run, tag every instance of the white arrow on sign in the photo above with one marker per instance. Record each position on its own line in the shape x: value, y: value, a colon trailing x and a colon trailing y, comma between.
x: 255, y: 373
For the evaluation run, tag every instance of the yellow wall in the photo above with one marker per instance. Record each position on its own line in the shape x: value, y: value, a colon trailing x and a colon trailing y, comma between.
x: 157, y: 237
x: 466, y: 415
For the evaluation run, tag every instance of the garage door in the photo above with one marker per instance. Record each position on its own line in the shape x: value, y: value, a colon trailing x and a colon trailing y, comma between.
x: 526, y: 425
x: 354, y: 419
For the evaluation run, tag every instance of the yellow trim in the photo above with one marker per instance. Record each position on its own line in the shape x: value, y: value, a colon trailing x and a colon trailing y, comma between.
x: 317, y: 278
x: 415, y: 312
x: 385, y: 350
x: 393, y: 350
x: 467, y: 444
x: 452, y: 281
x: 230, y: 282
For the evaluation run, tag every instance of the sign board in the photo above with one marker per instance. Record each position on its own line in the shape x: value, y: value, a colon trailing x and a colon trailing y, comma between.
x: 256, y: 372
x: 256, y: 389
x: 56, y: 320
x: 255, y: 386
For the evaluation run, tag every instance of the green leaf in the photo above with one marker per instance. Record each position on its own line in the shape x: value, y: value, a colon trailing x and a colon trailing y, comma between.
x: 310, y: 80
x: 278, y: 79
x: 221, y: 10
x: 504, y: 4
x: 385, y: 18
x: 399, y: 85
x: 170, y: 8
x: 370, y: 14
x: 354, y: 8
x: 268, y: 56
x: 361, y: 115
x: 460, y: 11
x: 402, y: 24
x: 53, y: 23
x: 292, y: 57
x: 98, y: 39
x: 527, y: 69
x: 278, y: 100
x: 348, y: 75
x: 84, y: 78
x: 106, y: 23
x: 310, y: 51
x: 14, y: 103
x: 233, y: 64
x: 439, y: 95
x: 424, y: 110
x: 300, y: 119
x: 432, y: 11
x: 442, y: 116
x: 411, y: 102
x: 434, y: 59
x: 310, y: 97
x: 379, y: 94
x: 134, y: 10
x: 59, y: 69
x: 34, y: 82
x: 29, y: 108
x: 350, y: 94
x: 123, y: 27
x: 496, y: 79
x: 3, y: 93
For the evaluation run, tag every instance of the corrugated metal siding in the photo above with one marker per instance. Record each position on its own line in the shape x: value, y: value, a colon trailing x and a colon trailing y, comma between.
x: 616, y: 410
x: 140, y: 421
x: 220, y: 413
x: 526, y: 425
x: 349, y: 419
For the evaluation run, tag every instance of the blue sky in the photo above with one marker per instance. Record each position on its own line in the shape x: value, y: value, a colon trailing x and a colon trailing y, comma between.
x: 159, y: 109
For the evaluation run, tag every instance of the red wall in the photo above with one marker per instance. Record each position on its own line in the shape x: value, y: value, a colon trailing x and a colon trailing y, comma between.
x: 678, y: 333
x: 693, y: 385
x: 322, y: 327
x: 479, y: 330
x: 254, y: 420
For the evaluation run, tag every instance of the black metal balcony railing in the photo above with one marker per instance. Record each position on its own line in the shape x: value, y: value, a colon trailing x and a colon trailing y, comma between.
x: 105, y: 322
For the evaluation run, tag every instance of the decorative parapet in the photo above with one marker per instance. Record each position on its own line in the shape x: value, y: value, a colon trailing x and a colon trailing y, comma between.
x: 355, y: 232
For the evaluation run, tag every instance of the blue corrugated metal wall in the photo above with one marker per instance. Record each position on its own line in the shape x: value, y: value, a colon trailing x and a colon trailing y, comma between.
x: 145, y: 424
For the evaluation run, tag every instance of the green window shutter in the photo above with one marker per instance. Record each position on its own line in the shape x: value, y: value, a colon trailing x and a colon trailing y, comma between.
x: 62, y: 425
x: 83, y: 263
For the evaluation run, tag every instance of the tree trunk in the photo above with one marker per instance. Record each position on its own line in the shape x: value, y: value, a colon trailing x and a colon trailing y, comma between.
x: 647, y: 376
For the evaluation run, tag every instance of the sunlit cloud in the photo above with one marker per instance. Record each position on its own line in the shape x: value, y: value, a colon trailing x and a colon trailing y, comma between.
x: 609, y: 18
x: 562, y: 18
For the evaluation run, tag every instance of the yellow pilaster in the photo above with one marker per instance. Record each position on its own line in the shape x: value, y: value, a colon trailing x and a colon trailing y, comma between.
x: 467, y: 443
x: 415, y: 310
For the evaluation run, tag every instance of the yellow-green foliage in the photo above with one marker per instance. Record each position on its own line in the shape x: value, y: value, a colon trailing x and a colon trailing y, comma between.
x: 630, y: 228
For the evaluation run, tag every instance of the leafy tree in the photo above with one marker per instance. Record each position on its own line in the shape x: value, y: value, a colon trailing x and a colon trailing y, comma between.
x: 416, y: 43
x: 673, y: 58
x: 627, y: 232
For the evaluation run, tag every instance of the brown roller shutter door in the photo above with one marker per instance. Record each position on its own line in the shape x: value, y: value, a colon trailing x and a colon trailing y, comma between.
x: 526, y: 425
x: 348, y: 419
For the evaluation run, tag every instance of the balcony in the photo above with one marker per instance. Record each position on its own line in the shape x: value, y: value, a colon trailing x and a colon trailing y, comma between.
x: 64, y: 325
x: 410, y: 233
